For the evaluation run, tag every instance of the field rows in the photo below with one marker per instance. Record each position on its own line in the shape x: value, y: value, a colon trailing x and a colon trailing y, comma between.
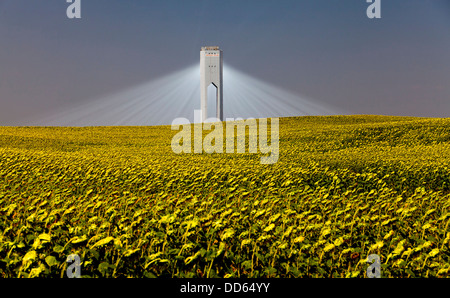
x: 343, y: 188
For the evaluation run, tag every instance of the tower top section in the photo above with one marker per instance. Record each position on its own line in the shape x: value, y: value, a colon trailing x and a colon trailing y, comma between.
x: 210, y: 49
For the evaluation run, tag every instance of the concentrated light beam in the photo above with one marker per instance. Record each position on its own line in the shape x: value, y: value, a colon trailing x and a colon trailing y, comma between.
x: 177, y: 95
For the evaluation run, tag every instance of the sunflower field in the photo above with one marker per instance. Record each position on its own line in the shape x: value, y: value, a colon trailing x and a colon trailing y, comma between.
x: 344, y: 187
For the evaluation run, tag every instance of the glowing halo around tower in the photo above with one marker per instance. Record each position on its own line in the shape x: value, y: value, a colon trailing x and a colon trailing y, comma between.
x: 177, y: 95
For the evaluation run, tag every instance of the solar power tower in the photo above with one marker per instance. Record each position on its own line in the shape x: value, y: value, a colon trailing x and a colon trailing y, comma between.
x: 211, y: 72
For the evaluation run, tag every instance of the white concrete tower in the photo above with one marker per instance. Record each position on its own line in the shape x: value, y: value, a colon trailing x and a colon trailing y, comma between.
x: 211, y: 72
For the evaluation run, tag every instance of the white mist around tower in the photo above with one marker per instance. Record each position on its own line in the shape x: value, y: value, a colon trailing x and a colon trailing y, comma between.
x: 176, y: 95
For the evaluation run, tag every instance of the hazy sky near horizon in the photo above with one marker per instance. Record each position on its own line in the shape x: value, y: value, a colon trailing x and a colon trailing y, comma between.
x: 327, y: 50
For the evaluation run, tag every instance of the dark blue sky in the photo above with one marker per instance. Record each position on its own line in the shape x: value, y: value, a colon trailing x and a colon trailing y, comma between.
x: 327, y: 50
